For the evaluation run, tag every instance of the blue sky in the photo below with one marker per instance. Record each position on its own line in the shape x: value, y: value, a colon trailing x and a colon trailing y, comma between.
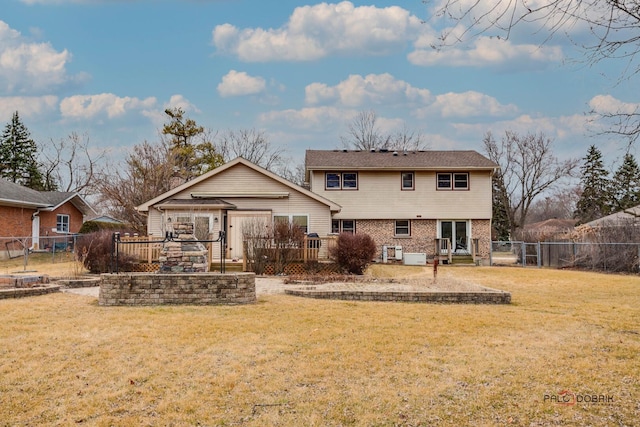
x: 299, y: 71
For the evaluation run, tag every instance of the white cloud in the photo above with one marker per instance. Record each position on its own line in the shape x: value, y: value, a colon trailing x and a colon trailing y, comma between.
x: 101, y: 105
x: 560, y: 128
x: 466, y: 104
x: 27, y: 106
x: 239, y: 83
x: 27, y: 67
x: 384, y: 90
x: 314, y: 32
x: 607, y: 104
x: 372, y: 89
x: 318, y: 118
x: 486, y: 51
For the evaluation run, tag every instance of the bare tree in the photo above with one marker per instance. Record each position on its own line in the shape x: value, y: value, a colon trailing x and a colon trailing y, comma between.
x: 69, y: 164
x: 364, y: 134
x: 528, y: 168
x: 147, y: 172
x: 252, y: 145
x: 560, y: 204
x: 407, y: 140
x: 612, y: 24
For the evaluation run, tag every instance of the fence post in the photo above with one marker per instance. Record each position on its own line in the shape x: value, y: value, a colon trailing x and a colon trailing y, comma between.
x: 523, y: 247
x: 538, y: 255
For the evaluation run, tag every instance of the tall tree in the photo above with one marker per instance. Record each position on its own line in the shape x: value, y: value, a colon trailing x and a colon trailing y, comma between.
x: 595, y: 199
x: 69, y: 164
x: 147, y: 172
x: 500, y: 217
x: 528, y: 168
x: 18, y: 156
x: 609, y: 30
x: 363, y: 133
x: 190, y: 144
x: 252, y: 145
x: 626, y: 184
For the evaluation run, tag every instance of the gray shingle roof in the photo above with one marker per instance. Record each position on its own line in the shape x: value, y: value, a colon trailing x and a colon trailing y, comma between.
x: 15, y: 194
x: 435, y: 160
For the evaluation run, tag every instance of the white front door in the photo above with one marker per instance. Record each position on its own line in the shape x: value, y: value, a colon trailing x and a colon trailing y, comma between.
x: 35, y: 232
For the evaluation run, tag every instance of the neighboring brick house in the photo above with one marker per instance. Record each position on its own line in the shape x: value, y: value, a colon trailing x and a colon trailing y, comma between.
x: 408, y: 199
x: 27, y: 213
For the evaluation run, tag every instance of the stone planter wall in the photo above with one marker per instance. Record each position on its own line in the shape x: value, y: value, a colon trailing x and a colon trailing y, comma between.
x: 194, y: 288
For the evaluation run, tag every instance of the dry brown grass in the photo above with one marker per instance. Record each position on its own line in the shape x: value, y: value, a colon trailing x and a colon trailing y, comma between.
x: 60, y: 264
x: 294, y: 361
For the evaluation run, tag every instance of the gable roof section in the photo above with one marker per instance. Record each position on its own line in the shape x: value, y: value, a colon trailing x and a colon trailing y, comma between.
x: 59, y: 198
x: 238, y: 160
x: 400, y: 160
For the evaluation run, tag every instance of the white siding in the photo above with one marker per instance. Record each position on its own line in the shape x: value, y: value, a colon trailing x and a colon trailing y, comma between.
x: 379, y: 196
x: 241, y: 178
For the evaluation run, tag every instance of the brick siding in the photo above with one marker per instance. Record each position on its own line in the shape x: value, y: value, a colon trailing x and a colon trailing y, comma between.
x: 16, y: 222
x: 423, y: 233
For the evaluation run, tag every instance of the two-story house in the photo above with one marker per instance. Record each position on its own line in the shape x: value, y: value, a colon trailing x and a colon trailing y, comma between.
x: 400, y: 199
x: 408, y: 199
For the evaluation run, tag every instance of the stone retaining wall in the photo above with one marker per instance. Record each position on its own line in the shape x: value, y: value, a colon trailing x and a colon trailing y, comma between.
x: 28, y: 292
x: 193, y: 288
x: 490, y: 297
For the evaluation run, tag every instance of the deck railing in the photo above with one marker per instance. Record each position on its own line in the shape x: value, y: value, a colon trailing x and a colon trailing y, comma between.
x: 312, y: 248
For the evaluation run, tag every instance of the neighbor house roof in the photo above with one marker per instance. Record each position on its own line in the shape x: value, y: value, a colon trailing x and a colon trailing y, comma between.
x: 401, y: 160
x: 12, y: 194
x: 238, y: 160
x: 623, y: 217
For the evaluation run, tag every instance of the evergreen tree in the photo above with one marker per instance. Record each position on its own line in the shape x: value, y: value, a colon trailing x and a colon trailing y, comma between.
x: 18, y: 152
x: 191, y: 150
x: 500, y: 219
x: 595, y: 200
x: 626, y: 184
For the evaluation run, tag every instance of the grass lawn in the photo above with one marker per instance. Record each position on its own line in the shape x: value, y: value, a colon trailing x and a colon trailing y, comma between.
x: 298, y: 362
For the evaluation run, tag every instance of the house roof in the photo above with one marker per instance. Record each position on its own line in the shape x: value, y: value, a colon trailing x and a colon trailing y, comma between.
x: 552, y: 224
x: 12, y: 194
x: 237, y: 161
x: 401, y: 160
x: 623, y: 217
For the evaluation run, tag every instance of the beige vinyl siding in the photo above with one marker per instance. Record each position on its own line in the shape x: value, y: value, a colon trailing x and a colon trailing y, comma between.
x: 379, y: 196
x: 241, y: 178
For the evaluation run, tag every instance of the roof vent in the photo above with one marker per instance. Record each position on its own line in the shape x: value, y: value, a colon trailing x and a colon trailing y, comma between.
x: 395, y: 153
x: 373, y: 150
x: 404, y: 153
x: 384, y: 150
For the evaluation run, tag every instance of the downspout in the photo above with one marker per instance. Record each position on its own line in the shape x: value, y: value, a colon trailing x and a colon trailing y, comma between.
x: 35, y: 230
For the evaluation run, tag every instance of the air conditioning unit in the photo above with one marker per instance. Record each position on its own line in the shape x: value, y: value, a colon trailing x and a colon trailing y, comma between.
x: 399, y: 253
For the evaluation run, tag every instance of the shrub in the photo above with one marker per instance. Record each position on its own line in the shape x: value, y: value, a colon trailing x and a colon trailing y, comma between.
x: 95, y: 249
x: 94, y: 226
x: 353, y: 252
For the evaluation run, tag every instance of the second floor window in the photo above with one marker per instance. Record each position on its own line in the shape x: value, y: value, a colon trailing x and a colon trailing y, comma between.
x: 407, y: 181
x: 453, y: 181
x: 341, y: 181
x: 62, y: 223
